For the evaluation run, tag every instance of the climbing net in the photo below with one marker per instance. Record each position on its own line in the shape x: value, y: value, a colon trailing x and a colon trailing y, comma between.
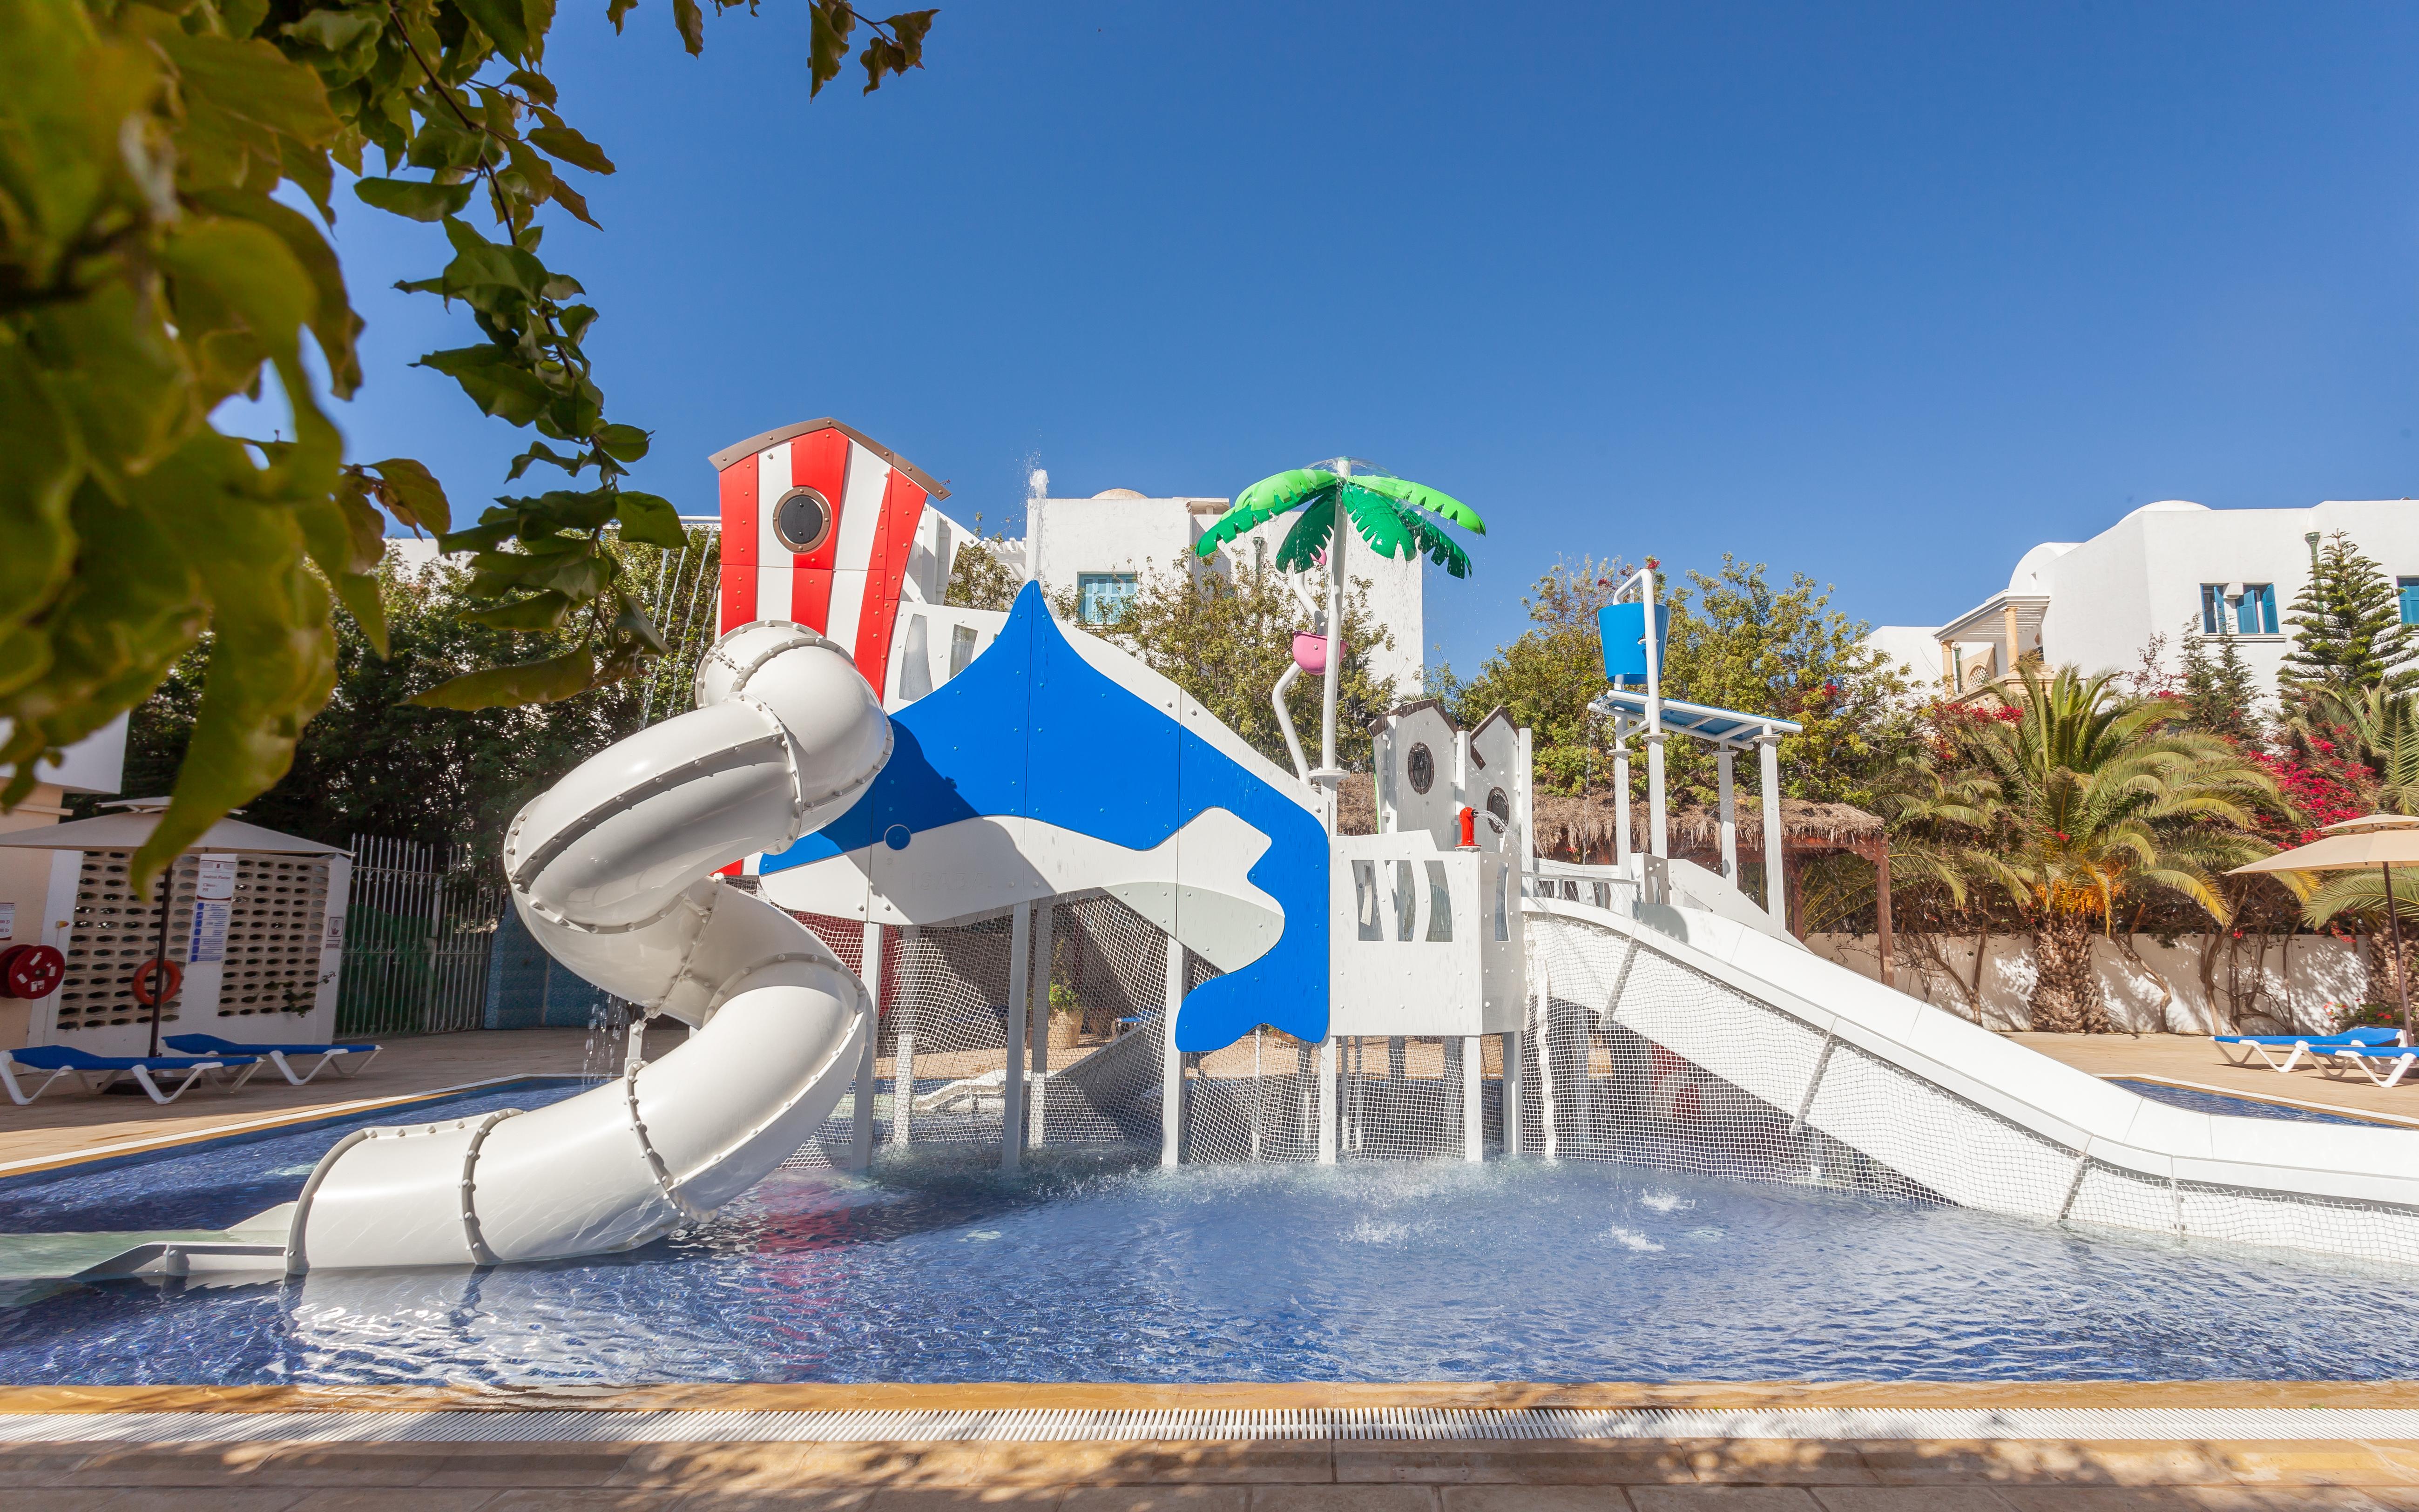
x: 1626, y: 1055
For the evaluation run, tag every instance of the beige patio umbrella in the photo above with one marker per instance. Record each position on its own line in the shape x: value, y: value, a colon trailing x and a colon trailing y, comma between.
x: 2383, y: 841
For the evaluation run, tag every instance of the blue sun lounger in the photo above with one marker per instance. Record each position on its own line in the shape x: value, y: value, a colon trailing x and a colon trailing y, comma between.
x: 2385, y: 1064
x: 341, y: 1056
x: 64, y: 1060
x: 2313, y: 1045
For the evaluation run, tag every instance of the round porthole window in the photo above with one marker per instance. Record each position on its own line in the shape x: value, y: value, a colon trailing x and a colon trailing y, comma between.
x: 802, y: 521
x: 1422, y: 769
x: 1498, y: 810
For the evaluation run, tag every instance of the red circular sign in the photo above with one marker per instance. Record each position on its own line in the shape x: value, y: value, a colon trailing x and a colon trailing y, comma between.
x: 156, y: 982
x: 30, y: 971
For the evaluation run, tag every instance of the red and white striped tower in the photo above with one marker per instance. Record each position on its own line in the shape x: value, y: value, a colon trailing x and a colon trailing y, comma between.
x: 818, y: 522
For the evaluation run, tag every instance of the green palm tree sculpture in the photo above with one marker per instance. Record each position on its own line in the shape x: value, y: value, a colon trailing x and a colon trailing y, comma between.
x: 1395, y: 517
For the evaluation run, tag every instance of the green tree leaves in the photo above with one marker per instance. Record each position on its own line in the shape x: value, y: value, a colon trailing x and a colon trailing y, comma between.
x: 563, y: 142
x: 1225, y: 637
x: 649, y: 519
x: 897, y: 43
x: 148, y: 273
x: 414, y: 199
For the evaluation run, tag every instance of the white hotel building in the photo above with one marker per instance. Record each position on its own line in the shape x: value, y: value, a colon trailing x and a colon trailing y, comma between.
x: 1103, y: 548
x: 2172, y: 568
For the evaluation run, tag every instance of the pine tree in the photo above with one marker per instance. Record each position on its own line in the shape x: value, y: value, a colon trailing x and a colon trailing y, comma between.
x: 2347, y: 629
x: 2217, y: 692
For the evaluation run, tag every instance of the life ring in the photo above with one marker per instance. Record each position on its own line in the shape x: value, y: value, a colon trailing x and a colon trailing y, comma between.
x: 30, y: 971
x: 1675, y: 1088
x: 155, y: 980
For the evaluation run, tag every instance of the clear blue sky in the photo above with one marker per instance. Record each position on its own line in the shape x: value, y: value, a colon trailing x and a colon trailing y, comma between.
x: 1880, y: 295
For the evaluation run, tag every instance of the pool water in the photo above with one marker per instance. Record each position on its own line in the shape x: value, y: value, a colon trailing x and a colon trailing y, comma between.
x: 2241, y: 1107
x: 1096, y: 1267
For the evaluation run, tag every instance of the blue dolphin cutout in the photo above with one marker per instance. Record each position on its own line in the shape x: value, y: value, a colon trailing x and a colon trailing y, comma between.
x: 1032, y: 730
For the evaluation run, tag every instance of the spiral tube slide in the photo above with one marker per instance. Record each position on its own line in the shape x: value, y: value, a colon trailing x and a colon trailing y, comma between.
x: 612, y: 870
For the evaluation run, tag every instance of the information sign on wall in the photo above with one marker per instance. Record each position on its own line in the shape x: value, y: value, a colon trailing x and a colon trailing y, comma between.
x: 213, y: 897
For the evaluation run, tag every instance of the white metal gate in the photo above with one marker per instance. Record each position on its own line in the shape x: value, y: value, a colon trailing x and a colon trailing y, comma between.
x: 417, y: 939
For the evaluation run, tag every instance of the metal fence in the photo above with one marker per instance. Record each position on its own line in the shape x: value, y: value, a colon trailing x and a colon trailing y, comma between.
x: 418, y: 935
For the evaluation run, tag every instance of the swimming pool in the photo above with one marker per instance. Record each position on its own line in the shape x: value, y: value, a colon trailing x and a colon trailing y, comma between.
x: 2201, y: 1101
x: 1095, y: 1267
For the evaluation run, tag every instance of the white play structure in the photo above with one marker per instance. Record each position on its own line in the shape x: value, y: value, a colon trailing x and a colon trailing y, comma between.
x: 898, y: 853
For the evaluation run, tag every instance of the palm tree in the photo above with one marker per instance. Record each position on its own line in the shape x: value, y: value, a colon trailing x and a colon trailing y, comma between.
x: 2085, y: 799
x: 1396, y: 517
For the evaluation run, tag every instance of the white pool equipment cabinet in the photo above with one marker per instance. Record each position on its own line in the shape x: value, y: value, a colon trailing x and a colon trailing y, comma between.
x: 255, y: 927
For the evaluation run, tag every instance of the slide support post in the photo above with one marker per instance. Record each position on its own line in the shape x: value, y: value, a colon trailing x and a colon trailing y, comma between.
x: 1171, y: 1092
x: 860, y: 1117
x: 1473, y: 1104
x: 1038, y: 1117
x: 1513, y: 1039
x: 1327, y: 1101
x: 1776, y: 889
x: 1011, y: 1083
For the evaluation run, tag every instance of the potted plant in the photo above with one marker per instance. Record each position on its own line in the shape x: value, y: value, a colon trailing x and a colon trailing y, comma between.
x: 1066, y: 1017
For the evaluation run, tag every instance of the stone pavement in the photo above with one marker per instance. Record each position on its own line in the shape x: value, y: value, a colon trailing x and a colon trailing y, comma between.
x: 1637, y: 1475
x: 1230, y: 1476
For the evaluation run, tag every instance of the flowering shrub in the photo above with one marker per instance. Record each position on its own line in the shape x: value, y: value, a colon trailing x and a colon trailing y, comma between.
x: 1944, y: 723
x: 2364, y: 1016
x: 2324, y: 787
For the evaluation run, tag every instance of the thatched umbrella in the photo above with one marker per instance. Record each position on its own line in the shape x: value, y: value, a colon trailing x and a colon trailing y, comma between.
x: 1356, y: 804
x: 1581, y: 824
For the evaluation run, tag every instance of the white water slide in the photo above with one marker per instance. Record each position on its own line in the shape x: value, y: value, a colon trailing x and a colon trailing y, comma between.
x: 1779, y: 1033
x: 612, y: 870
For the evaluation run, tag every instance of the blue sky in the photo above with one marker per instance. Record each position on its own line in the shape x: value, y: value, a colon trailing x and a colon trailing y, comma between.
x: 1884, y: 296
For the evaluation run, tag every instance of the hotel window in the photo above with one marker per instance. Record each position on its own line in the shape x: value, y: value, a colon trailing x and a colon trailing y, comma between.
x: 2408, y: 587
x: 2257, y: 614
x: 2254, y: 614
x: 1101, y: 596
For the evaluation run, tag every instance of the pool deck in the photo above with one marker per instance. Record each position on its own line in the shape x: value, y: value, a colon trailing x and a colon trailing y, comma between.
x: 368, y: 1470
x: 67, y: 1122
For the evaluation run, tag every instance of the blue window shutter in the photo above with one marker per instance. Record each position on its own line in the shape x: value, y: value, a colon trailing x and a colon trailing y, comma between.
x: 2212, y: 606
x: 2267, y: 608
x: 2410, y: 587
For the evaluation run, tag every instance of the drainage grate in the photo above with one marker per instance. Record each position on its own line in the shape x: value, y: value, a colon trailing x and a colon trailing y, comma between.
x: 1329, y: 1425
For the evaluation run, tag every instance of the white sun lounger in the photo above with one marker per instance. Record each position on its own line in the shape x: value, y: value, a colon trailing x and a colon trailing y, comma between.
x: 2385, y: 1064
x: 2240, y: 1049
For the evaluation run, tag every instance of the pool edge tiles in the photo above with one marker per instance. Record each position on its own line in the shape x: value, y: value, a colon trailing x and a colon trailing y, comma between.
x: 1212, y: 1399
x: 1333, y: 1427
x: 36, y: 1169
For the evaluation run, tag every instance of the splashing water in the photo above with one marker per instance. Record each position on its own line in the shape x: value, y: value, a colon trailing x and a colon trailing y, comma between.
x: 600, y: 1058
